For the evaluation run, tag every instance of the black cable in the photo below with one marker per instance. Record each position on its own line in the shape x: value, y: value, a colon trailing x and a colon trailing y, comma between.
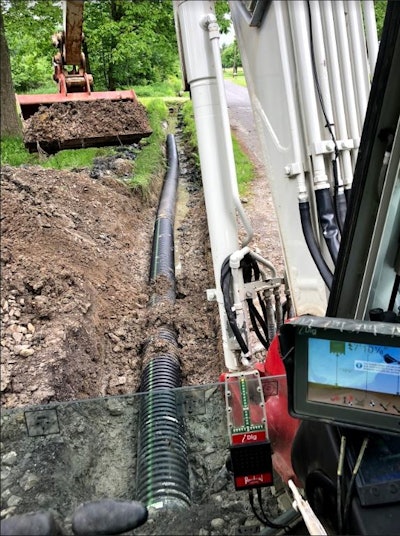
x: 395, y: 290
x: 340, y: 199
x: 254, y: 316
x: 226, y: 281
x: 265, y: 520
x: 313, y: 247
x: 268, y: 521
x: 339, y: 484
x: 349, y: 493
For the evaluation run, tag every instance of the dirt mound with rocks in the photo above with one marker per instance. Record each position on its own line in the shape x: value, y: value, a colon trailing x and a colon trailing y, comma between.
x: 75, y: 257
x: 86, y: 123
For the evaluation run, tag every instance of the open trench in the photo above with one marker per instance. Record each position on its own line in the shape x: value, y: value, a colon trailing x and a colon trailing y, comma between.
x: 87, y: 448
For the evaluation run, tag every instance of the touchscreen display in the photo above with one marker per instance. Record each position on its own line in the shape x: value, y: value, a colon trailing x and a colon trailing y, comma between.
x: 352, y: 374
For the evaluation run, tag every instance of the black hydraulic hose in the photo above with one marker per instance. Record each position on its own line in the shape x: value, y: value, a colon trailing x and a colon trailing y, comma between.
x: 226, y: 285
x: 312, y: 245
x: 347, y: 194
x: 341, y: 209
x: 339, y: 197
x: 327, y: 220
x: 162, y: 460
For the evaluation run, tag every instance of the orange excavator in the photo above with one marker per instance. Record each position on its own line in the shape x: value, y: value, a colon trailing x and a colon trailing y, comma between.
x: 75, y: 87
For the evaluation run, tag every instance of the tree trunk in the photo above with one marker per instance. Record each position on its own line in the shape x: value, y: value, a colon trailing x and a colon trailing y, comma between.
x: 10, y: 123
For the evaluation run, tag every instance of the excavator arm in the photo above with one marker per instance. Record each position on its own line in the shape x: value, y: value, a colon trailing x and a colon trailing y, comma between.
x: 75, y: 86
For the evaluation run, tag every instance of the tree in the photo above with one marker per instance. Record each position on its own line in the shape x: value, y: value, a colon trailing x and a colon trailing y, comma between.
x: 31, y: 49
x: 10, y: 124
x: 230, y: 56
x: 130, y: 42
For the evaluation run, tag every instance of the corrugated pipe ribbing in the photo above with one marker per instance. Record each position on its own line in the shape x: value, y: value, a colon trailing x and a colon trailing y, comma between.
x: 162, y: 471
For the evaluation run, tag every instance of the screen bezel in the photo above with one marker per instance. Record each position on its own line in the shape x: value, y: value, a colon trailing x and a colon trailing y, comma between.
x: 344, y: 415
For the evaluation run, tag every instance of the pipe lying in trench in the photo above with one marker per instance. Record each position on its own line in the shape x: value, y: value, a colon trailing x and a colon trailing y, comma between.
x: 162, y: 468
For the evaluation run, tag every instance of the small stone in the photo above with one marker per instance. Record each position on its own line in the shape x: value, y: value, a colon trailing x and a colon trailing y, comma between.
x: 13, y: 501
x: 28, y: 481
x: 203, y: 532
x: 217, y: 523
x: 7, y: 512
x: 5, y: 306
x: 17, y: 336
x: 31, y: 328
x: 5, y: 473
x: 10, y: 458
x: 114, y: 407
x: 26, y: 352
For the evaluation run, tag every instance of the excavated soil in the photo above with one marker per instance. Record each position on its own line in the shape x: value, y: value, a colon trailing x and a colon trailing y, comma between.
x: 75, y: 291
x: 75, y: 123
x: 75, y: 295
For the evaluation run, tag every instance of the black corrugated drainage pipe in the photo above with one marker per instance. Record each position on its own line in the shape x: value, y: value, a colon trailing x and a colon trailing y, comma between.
x: 162, y: 468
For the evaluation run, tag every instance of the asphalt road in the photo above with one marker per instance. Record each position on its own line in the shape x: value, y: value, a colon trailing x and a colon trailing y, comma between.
x: 241, y: 117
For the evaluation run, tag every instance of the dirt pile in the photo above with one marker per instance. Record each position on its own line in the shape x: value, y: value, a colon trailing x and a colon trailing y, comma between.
x: 75, y: 256
x: 81, y: 124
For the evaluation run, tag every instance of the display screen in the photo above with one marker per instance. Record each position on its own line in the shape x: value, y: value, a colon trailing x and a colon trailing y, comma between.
x: 354, y: 375
x: 343, y: 371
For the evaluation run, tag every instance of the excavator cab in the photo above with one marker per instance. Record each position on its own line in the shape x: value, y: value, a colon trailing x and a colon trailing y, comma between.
x: 57, y: 121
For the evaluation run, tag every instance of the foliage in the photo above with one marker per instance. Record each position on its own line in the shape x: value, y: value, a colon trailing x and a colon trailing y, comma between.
x: 244, y: 167
x: 380, y: 11
x: 29, y: 27
x: 237, y: 78
x: 14, y: 153
x: 230, y: 55
x: 75, y: 158
x: 130, y: 42
x: 150, y: 160
x: 167, y: 88
x: 222, y: 13
x: 127, y: 42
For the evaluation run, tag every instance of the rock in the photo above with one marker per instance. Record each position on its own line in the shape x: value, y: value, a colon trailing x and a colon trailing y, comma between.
x: 28, y: 481
x: 26, y: 351
x: 14, y: 501
x: 217, y: 523
x: 10, y: 458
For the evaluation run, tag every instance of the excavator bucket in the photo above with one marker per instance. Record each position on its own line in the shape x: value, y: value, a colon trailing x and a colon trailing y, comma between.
x: 76, y: 116
x: 53, y: 122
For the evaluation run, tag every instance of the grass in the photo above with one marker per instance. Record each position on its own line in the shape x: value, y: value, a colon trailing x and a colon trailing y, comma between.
x: 238, y: 79
x: 75, y: 158
x: 14, y: 152
x: 169, y: 88
x: 244, y: 166
x: 150, y: 160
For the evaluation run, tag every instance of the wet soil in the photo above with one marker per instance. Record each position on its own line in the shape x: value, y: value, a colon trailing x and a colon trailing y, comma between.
x: 85, y: 123
x: 75, y: 290
x: 75, y: 295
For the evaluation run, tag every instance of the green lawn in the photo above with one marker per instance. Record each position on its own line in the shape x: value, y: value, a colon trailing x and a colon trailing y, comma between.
x: 238, y: 79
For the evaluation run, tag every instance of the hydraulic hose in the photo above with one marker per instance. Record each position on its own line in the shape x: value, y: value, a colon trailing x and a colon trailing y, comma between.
x: 162, y: 461
x: 326, y: 215
x: 312, y: 245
